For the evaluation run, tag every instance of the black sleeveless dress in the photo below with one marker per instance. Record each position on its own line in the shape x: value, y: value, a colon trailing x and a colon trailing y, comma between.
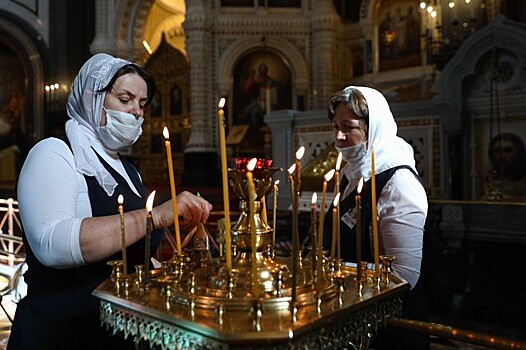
x: 414, y: 304
x: 59, y: 311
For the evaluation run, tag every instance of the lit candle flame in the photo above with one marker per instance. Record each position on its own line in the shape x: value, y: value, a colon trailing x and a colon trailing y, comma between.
x: 120, y: 199
x: 314, y: 198
x: 339, y: 161
x: 360, y: 185
x: 329, y: 175
x: 276, y: 182
x: 252, y: 164
x: 149, y: 202
x: 300, y: 152
x: 221, y: 103
x: 292, y: 168
x: 336, y: 199
x: 166, y: 134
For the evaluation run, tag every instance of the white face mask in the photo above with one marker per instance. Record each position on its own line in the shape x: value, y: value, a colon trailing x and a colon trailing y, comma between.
x: 121, y: 130
x: 353, y: 154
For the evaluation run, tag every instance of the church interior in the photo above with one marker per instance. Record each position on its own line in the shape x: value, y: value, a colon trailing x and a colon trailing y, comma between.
x: 453, y: 72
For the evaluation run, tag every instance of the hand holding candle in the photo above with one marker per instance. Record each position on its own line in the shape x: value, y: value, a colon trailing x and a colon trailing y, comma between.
x: 252, y: 195
x: 172, y: 189
x: 120, y: 200
x: 224, y: 173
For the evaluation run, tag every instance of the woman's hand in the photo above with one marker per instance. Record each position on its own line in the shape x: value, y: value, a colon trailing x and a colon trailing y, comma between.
x: 191, y: 209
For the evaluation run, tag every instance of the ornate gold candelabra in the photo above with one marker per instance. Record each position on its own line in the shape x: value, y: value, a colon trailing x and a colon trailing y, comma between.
x: 199, y: 304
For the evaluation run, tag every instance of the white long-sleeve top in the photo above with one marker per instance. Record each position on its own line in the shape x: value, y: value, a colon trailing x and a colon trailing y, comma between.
x: 402, y: 211
x: 53, y: 200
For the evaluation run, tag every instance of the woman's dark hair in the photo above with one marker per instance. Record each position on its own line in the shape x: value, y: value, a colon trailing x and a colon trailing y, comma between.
x: 355, y: 102
x: 136, y: 69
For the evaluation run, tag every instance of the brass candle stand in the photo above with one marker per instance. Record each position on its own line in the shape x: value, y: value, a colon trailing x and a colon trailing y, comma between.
x: 187, y: 304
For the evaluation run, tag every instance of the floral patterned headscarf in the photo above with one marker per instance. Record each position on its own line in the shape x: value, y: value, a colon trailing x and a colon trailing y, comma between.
x: 84, y: 109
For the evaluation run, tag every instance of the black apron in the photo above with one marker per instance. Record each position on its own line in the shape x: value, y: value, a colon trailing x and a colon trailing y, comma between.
x: 59, y: 311
x: 414, y: 304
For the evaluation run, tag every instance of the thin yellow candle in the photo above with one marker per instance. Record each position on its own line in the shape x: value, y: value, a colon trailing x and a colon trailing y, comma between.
x: 294, y: 197
x: 252, y: 196
x: 374, y: 218
x: 224, y: 173
x: 120, y: 200
x: 313, y: 245
x: 299, y: 154
x: 359, y: 231
x: 172, y: 189
x: 276, y: 183
x: 337, y: 190
x: 327, y: 177
x: 335, y: 220
x: 264, y: 209
x: 147, y: 238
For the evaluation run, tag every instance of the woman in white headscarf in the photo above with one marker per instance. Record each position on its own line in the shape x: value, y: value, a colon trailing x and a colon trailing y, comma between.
x: 67, y: 193
x: 362, y: 121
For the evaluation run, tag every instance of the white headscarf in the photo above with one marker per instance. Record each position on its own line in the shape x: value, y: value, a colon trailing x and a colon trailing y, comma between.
x: 84, y: 110
x: 389, y: 150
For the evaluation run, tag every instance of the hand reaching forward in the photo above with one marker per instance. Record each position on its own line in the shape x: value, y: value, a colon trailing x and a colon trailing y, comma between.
x: 192, y: 209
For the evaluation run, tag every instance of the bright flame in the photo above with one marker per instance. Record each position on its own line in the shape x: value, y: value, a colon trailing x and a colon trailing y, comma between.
x: 339, y: 161
x: 276, y: 182
x: 336, y: 199
x: 292, y: 168
x: 300, y: 152
x: 149, y: 202
x: 430, y: 9
x: 468, y: 1
x: 221, y: 103
x: 433, y: 14
x: 252, y: 164
x: 166, y: 134
x: 451, y: 4
x: 329, y: 175
x: 120, y: 199
x: 423, y: 5
x: 147, y: 46
x: 360, y: 185
x: 314, y: 198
